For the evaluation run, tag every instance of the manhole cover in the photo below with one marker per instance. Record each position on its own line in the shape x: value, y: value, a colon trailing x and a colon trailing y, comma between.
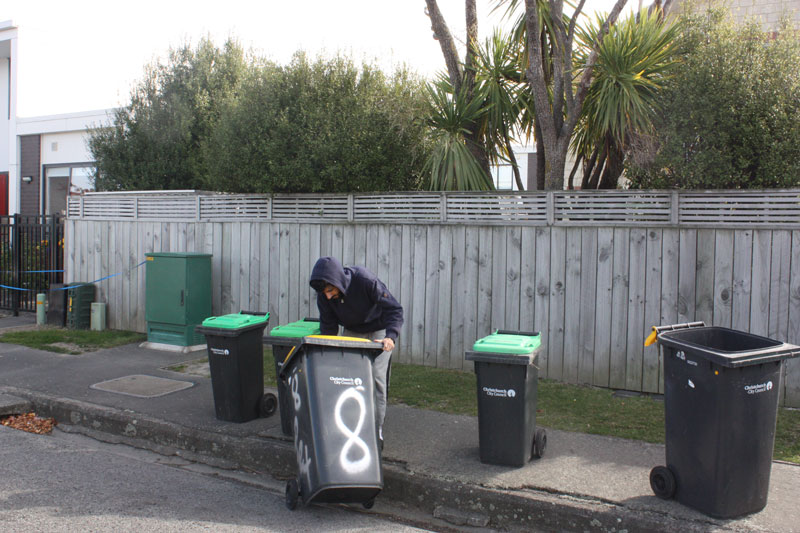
x: 142, y: 386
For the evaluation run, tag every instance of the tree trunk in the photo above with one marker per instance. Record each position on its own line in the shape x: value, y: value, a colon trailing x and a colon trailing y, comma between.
x: 571, y: 180
x: 442, y: 34
x: 514, y: 164
x: 588, y: 168
x: 613, y: 170
x: 601, y: 162
x: 555, y: 162
x: 540, y: 158
x: 475, y: 145
x: 558, y: 104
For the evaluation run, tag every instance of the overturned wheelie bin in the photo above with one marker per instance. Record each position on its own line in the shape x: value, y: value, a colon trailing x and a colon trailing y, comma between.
x: 507, y: 377
x: 283, y: 339
x: 721, y: 391
x: 335, y: 434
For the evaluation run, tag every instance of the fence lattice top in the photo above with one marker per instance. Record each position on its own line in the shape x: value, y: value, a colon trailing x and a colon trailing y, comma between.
x: 779, y: 208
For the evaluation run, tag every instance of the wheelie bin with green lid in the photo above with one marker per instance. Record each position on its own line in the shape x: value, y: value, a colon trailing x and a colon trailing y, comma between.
x: 720, y: 404
x: 507, y: 387
x: 334, y: 423
x: 283, y: 340
x: 236, y: 360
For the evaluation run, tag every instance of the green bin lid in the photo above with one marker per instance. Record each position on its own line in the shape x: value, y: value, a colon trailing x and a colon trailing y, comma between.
x: 508, y: 344
x: 301, y: 328
x: 235, y: 321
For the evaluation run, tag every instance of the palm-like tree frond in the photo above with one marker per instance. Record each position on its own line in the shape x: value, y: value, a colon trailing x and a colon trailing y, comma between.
x: 451, y: 117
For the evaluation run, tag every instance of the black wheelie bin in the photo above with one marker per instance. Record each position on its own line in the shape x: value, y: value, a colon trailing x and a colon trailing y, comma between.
x: 236, y: 360
x: 283, y: 339
x: 507, y: 386
x: 720, y: 402
x: 335, y: 433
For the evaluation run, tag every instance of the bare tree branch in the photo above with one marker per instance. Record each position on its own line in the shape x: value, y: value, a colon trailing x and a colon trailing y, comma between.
x: 574, y: 20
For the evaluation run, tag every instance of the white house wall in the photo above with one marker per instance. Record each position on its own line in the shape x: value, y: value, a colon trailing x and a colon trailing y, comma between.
x: 68, y: 147
x: 8, y: 111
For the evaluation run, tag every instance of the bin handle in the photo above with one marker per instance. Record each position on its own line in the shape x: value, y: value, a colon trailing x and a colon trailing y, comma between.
x: 672, y: 327
x: 512, y: 332
x: 255, y: 313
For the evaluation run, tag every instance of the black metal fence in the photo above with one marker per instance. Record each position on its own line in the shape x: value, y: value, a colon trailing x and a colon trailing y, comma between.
x: 31, y: 258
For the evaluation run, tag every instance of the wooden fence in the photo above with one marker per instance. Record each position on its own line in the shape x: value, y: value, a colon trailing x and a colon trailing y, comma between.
x: 592, y: 271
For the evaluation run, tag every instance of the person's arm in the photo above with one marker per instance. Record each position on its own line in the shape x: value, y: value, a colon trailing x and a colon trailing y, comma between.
x: 328, y: 323
x: 391, y: 313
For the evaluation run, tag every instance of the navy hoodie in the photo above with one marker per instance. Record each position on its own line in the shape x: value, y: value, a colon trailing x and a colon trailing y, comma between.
x: 364, y: 305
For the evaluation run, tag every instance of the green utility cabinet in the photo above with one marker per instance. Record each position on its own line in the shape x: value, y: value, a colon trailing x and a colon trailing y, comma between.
x: 178, y: 296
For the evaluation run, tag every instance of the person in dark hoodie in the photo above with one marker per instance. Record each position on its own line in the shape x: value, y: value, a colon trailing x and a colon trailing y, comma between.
x: 356, y: 299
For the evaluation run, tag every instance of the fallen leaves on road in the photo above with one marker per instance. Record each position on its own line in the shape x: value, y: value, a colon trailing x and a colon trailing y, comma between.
x: 29, y: 422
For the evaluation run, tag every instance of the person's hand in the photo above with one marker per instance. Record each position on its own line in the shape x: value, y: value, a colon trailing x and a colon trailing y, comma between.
x: 388, y: 344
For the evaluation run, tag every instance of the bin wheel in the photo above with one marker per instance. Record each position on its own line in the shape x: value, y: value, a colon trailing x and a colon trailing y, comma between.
x: 268, y: 405
x: 369, y: 504
x: 539, y: 443
x: 292, y: 494
x: 662, y: 481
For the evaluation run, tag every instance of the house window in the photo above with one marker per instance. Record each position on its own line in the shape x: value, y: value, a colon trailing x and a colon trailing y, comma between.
x: 63, y: 181
x: 503, y: 177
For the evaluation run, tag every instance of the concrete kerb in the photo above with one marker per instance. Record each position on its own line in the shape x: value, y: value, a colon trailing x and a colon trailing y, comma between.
x: 469, y: 505
x: 263, y: 455
x: 13, y: 405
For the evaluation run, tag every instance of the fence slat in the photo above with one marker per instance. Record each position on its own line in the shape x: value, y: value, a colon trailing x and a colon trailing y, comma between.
x: 558, y: 262
x: 499, y: 278
x: 572, y: 307
x: 485, y: 263
x: 670, y: 287
x: 636, y: 308
x: 742, y: 273
x: 527, y: 276
x: 432, y: 272
x: 603, y: 307
x: 469, y: 289
x: 419, y: 245
x: 296, y: 286
x: 513, y: 282
x: 443, y: 313
x: 406, y: 294
x: 541, y: 311
x: 779, y: 285
x: 652, y: 308
x: 723, y: 278
x: 704, y: 277
x: 458, y: 295
x: 588, y: 301
x: 792, y: 381
x: 687, y: 282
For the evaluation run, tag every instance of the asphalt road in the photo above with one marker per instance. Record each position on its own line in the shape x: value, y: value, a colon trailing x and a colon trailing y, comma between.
x: 65, y: 482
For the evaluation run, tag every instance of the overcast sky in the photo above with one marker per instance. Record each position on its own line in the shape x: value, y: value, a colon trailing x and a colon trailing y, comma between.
x: 87, y: 54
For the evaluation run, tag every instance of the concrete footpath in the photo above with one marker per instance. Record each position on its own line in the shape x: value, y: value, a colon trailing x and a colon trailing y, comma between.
x: 431, y: 465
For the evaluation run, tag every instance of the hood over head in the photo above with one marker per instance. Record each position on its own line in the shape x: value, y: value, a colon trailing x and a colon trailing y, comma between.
x: 328, y: 270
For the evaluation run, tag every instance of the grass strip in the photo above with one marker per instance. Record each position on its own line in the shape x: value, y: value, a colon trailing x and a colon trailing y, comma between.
x: 71, y: 341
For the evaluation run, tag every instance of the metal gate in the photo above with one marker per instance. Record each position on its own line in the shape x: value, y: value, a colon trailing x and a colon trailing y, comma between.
x: 31, y: 258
